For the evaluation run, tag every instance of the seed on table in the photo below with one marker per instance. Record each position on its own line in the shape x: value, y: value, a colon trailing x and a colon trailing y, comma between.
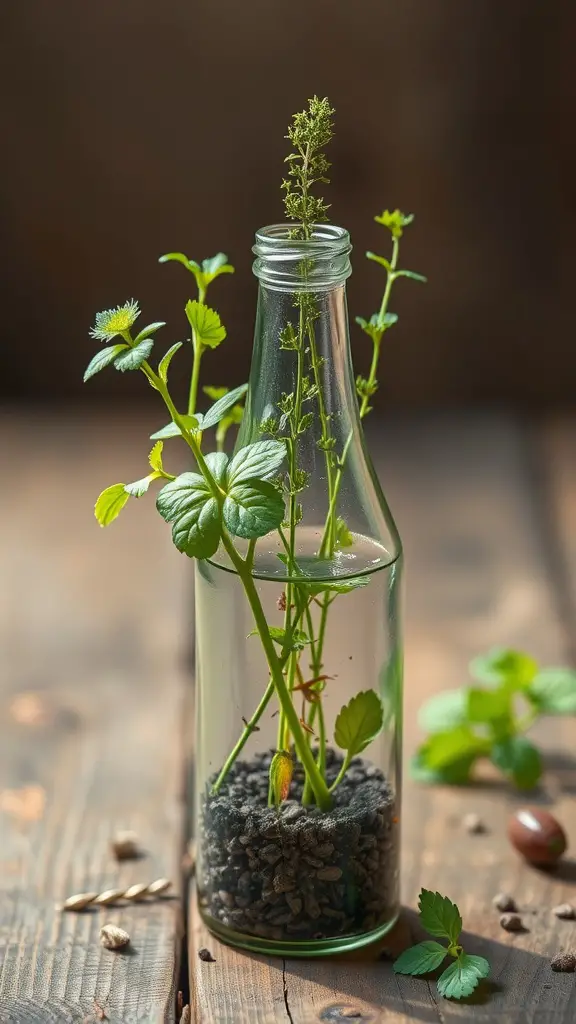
x: 504, y: 901
x: 112, y: 937
x: 563, y: 962
x: 136, y: 892
x: 566, y: 911
x: 537, y: 835
x: 159, y: 886
x: 80, y: 901
x: 473, y: 824
x: 205, y: 955
x: 125, y: 846
x: 329, y: 874
x: 511, y: 923
x: 108, y: 897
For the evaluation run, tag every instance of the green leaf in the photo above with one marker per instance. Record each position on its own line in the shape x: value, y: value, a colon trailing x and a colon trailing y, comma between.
x: 454, y: 773
x: 489, y: 705
x: 281, y: 769
x: 395, y: 221
x: 155, y: 457
x: 378, y: 259
x: 439, y: 916
x: 187, y: 503
x: 253, y: 508
x: 139, y: 487
x: 110, y: 503
x: 213, y: 267
x: 420, y: 959
x: 192, y: 423
x: 518, y: 758
x: 462, y: 976
x: 298, y: 640
x: 217, y: 463
x: 444, y: 711
x: 260, y: 459
x: 553, y: 691
x: 166, y: 360
x: 412, y: 275
x: 443, y: 748
x: 206, y: 324
x: 147, y: 331
x: 345, y: 586
x: 344, y: 539
x: 133, y: 359
x: 359, y: 722
x: 218, y: 410
x: 179, y: 257
x: 102, y: 359
x: 501, y: 665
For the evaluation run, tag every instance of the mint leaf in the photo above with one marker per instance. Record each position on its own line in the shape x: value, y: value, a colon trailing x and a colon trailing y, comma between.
x: 261, y: 459
x: 110, y: 503
x: 191, y: 423
x: 453, y: 773
x: 188, y: 504
x: 439, y: 916
x: 102, y: 359
x: 501, y: 665
x: 281, y: 769
x: 166, y: 360
x: 217, y: 411
x: 443, y: 748
x: 359, y: 722
x: 155, y: 457
x: 133, y: 359
x: 420, y: 959
x: 489, y: 705
x: 444, y: 711
x: 253, y: 508
x: 147, y: 331
x: 518, y: 758
x: 206, y: 324
x: 553, y: 691
x: 462, y: 977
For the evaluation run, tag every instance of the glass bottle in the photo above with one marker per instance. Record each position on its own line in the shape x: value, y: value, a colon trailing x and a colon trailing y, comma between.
x: 297, y: 870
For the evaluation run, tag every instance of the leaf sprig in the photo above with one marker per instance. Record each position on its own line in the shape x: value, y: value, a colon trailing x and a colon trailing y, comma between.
x: 441, y: 918
x: 490, y: 718
x: 309, y: 132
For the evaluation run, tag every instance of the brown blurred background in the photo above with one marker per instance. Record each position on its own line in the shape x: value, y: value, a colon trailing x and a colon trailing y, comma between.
x: 131, y: 128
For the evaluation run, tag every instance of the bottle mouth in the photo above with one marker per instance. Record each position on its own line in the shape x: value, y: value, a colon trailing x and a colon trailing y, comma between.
x: 302, y: 264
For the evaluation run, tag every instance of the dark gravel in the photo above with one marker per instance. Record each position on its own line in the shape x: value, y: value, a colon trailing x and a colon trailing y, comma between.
x: 301, y: 873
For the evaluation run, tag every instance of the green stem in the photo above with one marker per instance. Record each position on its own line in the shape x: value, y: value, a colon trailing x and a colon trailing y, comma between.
x: 198, y: 352
x: 342, y: 772
x: 241, y: 742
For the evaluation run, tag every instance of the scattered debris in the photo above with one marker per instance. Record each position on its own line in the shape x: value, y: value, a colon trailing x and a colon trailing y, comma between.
x: 563, y: 962
x: 565, y: 911
x: 112, y: 937
x: 504, y: 901
x: 512, y: 923
x: 473, y: 824
x: 126, y: 846
x: 133, y: 894
x: 205, y: 955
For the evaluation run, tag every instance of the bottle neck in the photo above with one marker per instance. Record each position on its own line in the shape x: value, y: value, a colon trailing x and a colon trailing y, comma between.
x: 317, y: 264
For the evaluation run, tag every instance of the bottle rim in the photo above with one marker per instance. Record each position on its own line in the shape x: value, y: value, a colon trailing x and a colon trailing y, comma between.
x: 314, y: 264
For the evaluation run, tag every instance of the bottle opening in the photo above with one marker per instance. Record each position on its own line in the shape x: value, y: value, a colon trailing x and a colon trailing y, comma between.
x: 302, y: 264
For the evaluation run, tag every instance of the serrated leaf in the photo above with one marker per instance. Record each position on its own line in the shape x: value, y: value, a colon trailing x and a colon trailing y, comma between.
x: 439, y: 916
x: 147, y: 331
x: 281, y: 769
x: 462, y: 976
x: 454, y: 773
x: 102, y: 359
x: 187, y: 503
x: 444, y: 711
x: 420, y: 959
x: 553, y: 691
x: 167, y: 359
x: 359, y: 722
x: 489, y: 705
x: 155, y: 457
x: 133, y: 359
x: 519, y: 759
x: 206, y: 323
x: 378, y: 259
x: 192, y: 423
x: 110, y: 503
x: 253, y: 508
x: 139, y: 487
x: 221, y: 407
x: 262, y: 459
x: 501, y: 665
x: 443, y: 748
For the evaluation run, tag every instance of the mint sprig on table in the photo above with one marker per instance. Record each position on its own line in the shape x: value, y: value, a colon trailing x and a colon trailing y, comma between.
x: 441, y: 918
x: 490, y: 718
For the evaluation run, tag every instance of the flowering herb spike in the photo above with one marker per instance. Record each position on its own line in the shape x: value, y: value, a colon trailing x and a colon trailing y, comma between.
x: 311, y: 130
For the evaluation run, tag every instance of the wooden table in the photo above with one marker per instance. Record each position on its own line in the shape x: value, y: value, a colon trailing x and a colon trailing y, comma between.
x: 95, y: 727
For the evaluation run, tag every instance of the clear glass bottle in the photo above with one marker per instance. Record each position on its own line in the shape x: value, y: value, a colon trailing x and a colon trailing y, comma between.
x: 319, y: 872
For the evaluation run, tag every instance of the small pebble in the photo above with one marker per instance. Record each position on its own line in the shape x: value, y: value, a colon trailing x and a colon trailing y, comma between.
x: 537, y: 835
x: 112, y: 937
x: 205, y: 955
x: 329, y: 874
x: 566, y: 911
x: 503, y: 901
x: 563, y: 962
x: 473, y: 824
x: 125, y: 846
x: 511, y: 923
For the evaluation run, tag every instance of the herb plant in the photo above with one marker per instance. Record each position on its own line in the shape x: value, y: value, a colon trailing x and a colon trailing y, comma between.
x: 490, y: 718
x: 441, y: 918
x: 223, y: 501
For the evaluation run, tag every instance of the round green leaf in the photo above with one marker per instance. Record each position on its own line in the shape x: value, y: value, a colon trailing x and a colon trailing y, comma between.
x: 261, y: 459
x: 110, y: 503
x: 518, y: 758
x: 553, y: 691
x: 501, y: 665
x: 420, y: 959
x: 253, y: 508
x: 462, y: 976
x: 188, y: 504
x: 359, y: 722
x: 444, y: 711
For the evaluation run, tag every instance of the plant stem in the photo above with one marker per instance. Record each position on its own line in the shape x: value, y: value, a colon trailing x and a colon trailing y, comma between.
x: 243, y: 739
x: 198, y: 349
x: 342, y: 772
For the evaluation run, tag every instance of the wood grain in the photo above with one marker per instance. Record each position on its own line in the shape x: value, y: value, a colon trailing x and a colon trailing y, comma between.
x: 479, y: 574
x: 91, y: 632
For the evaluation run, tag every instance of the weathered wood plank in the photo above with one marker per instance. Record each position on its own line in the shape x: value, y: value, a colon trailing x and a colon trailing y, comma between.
x: 478, y: 575
x: 91, y: 632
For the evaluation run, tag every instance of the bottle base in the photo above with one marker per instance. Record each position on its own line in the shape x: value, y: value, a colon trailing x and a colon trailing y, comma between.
x: 296, y: 948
